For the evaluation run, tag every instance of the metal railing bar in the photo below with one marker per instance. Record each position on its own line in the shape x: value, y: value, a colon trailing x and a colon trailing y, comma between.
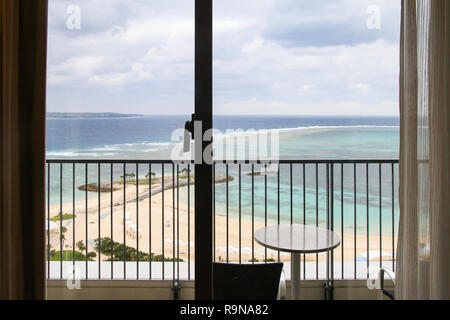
x: 61, y: 234
x: 116, y: 161
x: 317, y: 216
x: 99, y: 238
x: 342, y: 221
x: 265, y: 206
x: 48, y: 220
x: 332, y: 217
x: 290, y: 179
x: 253, y: 214
x: 380, y: 201
x: 354, y: 216
x: 240, y: 213
x: 214, y: 210
x: 111, y: 218
x: 137, y: 221
x: 124, y: 223
x: 284, y: 161
x: 173, y: 222
x: 367, y: 216
x: 327, y: 172
x: 304, y: 215
x: 150, y: 220
x: 86, y: 219
x: 227, y: 213
x: 73, y: 220
x: 178, y: 223
x: 278, y: 202
x: 162, y: 220
x: 189, y: 220
x: 393, y: 221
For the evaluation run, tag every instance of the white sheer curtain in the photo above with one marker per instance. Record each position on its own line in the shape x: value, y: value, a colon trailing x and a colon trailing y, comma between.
x: 423, y: 266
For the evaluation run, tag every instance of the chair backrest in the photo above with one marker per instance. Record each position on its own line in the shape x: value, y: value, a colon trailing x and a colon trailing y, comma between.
x: 246, y: 281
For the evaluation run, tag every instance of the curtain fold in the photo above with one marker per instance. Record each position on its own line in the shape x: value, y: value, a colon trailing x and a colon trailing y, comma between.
x: 23, y: 30
x: 423, y: 265
x: 439, y: 117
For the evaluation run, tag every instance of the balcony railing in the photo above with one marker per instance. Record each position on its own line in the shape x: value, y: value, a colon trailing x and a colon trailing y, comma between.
x: 134, y: 219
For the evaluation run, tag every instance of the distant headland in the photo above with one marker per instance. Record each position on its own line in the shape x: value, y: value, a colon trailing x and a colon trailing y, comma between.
x: 71, y: 115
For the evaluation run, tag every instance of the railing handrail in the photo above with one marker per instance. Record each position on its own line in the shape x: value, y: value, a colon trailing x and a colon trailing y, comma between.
x: 328, y: 168
x: 165, y: 161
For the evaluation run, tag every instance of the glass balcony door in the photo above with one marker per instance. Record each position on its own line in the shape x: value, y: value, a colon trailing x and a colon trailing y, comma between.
x: 123, y: 78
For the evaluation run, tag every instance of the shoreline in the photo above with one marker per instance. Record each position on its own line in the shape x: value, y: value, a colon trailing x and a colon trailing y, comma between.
x: 151, y: 230
x: 114, y: 149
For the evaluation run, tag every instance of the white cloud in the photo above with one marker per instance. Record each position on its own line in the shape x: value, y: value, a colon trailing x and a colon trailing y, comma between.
x: 295, y: 56
x: 137, y: 73
x: 248, y: 107
x: 362, y: 86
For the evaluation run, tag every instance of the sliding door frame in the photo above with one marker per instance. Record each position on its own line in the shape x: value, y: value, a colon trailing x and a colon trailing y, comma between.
x: 203, y: 171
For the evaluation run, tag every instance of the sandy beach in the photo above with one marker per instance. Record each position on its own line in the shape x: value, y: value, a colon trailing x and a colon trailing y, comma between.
x: 159, y: 234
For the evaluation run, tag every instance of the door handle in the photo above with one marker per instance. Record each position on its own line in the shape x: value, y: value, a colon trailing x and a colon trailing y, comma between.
x: 188, y: 128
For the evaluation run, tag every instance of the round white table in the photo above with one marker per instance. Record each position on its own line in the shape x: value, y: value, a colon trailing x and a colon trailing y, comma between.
x: 297, y: 239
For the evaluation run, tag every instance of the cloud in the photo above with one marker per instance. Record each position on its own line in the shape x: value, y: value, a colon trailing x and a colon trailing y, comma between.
x: 138, y: 56
x: 331, y: 22
x: 308, y: 109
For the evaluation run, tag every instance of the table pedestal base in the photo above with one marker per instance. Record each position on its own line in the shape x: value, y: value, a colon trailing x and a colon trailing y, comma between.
x: 295, y: 276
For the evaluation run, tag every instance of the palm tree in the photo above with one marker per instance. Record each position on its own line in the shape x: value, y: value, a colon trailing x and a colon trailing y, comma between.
x: 50, y: 251
x: 150, y: 173
x: 80, y: 246
x: 185, y: 172
x: 128, y: 175
x: 63, y: 238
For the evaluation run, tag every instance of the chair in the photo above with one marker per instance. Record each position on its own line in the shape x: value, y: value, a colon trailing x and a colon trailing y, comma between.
x: 262, y: 281
x: 389, y: 293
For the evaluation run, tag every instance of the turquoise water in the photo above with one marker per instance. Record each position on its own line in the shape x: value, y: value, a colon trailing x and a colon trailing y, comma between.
x: 311, y: 207
x: 320, y: 143
x: 319, y: 138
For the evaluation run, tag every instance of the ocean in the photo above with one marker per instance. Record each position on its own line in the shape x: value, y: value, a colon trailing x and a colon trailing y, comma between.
x: 150, y: 137
x: 300, y: 137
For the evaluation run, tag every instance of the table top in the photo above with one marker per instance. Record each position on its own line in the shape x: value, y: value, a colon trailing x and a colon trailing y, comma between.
x: 297, y: 238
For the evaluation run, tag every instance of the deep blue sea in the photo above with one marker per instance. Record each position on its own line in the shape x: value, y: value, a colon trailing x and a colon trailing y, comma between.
x: 150, y: 137
x: 300, y: 137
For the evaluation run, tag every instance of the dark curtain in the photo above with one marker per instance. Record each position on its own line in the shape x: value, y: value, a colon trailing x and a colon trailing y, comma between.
x: 23, y: 30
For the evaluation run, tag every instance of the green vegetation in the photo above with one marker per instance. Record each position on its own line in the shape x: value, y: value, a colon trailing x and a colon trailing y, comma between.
x: 65, y: 216
x: 185, y: 173
x: 131, y: 254
x: 221, y: 178
x: 265, y: 260
x: 70, y: 255
x: 126, y: 176
x: 130, y: 179
x: 67, y: 255
x: 258, y: 174
x: 104, y: 187
x: 150, y: 173
x: 141, y: 182
x: 81, y: 246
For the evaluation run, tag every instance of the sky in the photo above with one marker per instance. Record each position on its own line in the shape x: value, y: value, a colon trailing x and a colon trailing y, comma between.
x: 284, y: 57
